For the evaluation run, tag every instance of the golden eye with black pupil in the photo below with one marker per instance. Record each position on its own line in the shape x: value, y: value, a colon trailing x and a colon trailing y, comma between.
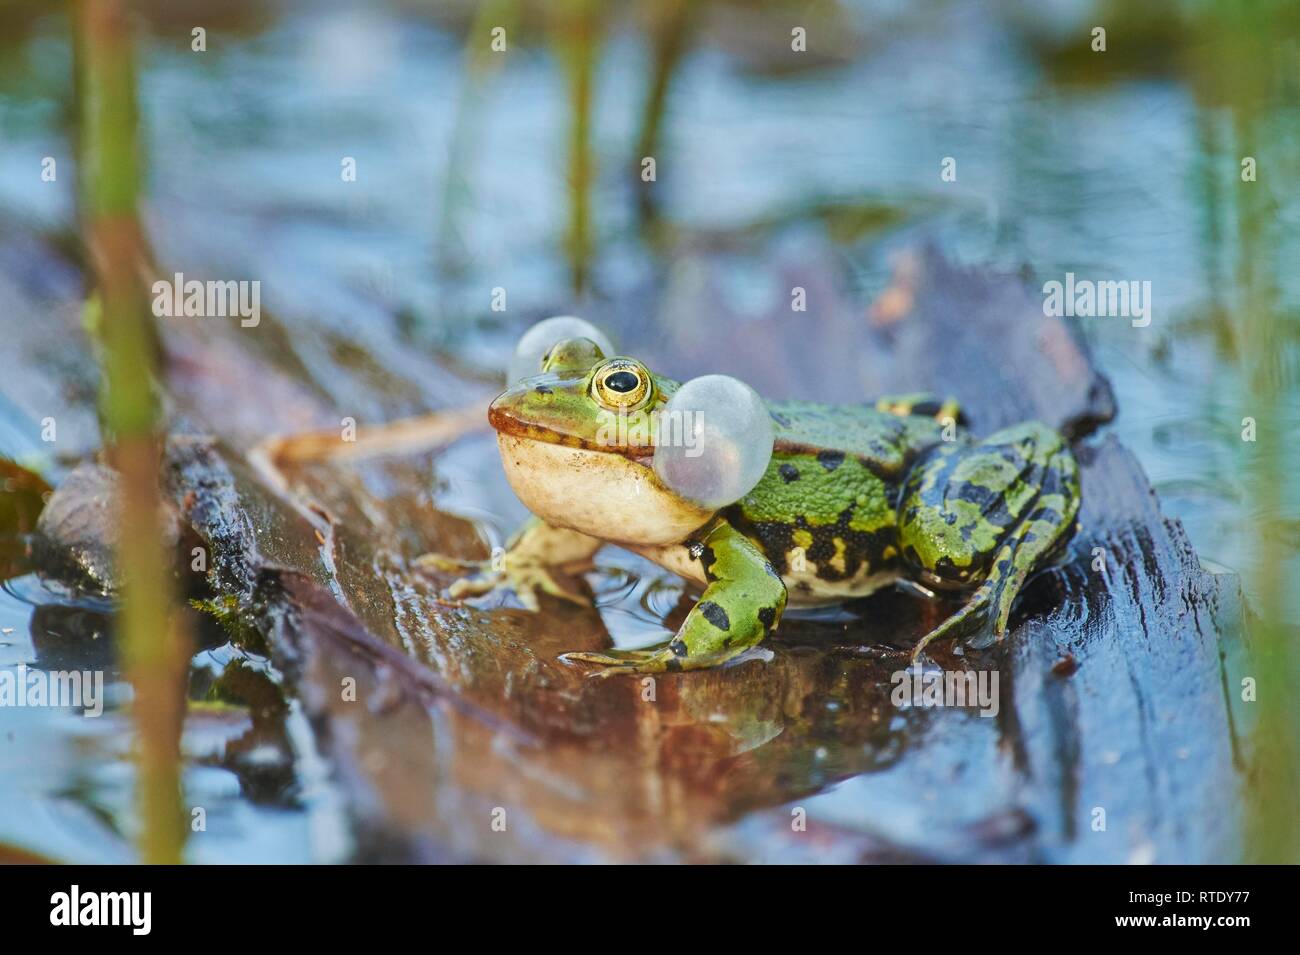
x: 621, y: 385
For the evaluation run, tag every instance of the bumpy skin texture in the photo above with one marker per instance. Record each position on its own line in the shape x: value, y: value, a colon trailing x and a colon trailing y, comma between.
x: 828, y: 501
x: 989, y: 515
x: 854, y: 498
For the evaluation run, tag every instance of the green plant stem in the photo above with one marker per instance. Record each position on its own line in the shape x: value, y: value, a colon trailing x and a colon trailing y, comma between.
x: 153, y: 644
x: 576, y: 28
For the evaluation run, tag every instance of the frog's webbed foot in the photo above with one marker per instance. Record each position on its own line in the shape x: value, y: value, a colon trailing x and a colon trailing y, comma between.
x: 526, y: 567
x: 990, y: 514
x: 965, y: 622
x: 526, y: 579
x: 742, y: 603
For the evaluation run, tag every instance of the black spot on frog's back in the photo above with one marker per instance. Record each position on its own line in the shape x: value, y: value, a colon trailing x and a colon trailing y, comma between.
x: 830, y: 460
x: 789, y: 473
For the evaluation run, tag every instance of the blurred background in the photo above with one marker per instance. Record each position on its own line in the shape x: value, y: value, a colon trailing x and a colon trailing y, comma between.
x: 521, y: 169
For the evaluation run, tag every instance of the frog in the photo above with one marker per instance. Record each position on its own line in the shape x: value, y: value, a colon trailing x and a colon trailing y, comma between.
x: 854, y: 498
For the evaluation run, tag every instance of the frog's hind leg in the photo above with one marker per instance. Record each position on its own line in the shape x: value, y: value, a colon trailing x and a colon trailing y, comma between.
x: 990, y: 515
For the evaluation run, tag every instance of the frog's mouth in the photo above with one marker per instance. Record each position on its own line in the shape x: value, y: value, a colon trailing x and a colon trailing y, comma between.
x: 511, y: 415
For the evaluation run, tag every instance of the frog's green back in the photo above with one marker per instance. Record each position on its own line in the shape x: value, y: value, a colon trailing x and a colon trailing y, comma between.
x: 885, y: 443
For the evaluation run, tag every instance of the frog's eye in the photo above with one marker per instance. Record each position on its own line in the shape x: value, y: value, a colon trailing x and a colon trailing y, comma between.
x: 621, y: 385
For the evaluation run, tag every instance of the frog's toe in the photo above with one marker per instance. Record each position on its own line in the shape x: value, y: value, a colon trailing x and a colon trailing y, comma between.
x: 529, y: 579
x: 446, y: 564
x: 474, y: 586
x: 526, y: 580
x: 967, y: 621
x: 624, y: 661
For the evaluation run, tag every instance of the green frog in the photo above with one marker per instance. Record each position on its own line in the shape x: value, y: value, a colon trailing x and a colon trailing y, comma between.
x: 853, y: 498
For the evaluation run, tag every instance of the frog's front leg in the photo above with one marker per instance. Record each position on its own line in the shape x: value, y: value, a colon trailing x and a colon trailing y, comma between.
x: 742, y: 603
x: 531, y: 555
